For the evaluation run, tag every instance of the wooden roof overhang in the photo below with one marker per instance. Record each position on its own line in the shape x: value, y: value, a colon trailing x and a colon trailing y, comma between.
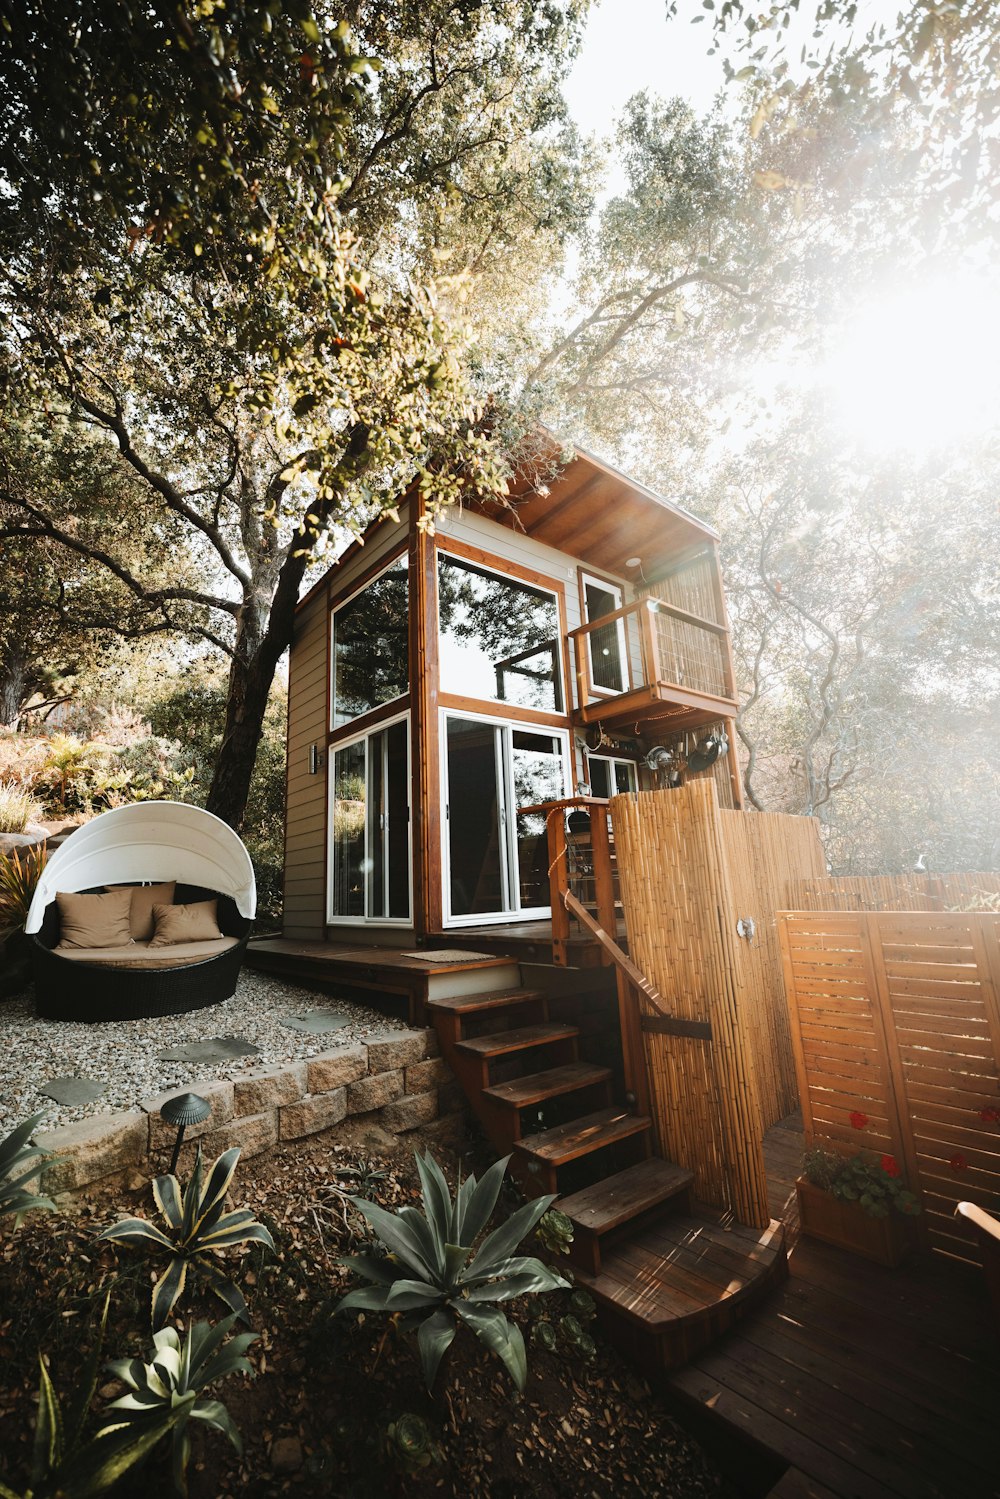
x: 602, y: 517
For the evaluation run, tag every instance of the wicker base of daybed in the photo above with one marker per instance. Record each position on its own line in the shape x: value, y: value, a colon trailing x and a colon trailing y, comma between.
x: 67, y: 989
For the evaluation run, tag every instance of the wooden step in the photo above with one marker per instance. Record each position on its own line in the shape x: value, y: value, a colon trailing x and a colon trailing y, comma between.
x: 500, y: 1043
x: 522, y: 1092
x: 618, y: 1199
x: 552, y: 1148
x: 471, y: 1004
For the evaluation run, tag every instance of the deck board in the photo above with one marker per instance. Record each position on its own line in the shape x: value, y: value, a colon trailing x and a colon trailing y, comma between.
x: 869, y: 1383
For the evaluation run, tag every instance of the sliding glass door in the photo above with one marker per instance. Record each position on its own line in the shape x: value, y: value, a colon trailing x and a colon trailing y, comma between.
x: 496, y: 864
x: 370, y: 827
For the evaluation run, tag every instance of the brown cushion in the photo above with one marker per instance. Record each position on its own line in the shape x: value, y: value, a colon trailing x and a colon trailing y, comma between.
x: 94, y: 920
x: 143, y: 955
x: 144, y: 897
x: 194, y: 923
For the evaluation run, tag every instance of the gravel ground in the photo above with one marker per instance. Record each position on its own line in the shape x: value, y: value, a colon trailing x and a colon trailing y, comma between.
x: 122, y: 1054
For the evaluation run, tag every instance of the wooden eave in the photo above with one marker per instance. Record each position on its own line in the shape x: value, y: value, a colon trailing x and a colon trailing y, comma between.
x: 594, y: 513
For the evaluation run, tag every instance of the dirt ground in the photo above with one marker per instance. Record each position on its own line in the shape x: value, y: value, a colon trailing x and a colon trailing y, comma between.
x: 314, y: 1420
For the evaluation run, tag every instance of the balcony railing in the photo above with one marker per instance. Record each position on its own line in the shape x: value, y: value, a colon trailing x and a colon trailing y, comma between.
x: 651, y: 652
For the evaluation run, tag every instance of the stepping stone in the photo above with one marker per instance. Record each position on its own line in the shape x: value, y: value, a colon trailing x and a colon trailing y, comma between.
x: 317, y: 1023
x: 218, y: 1049
x: 71, y: 1091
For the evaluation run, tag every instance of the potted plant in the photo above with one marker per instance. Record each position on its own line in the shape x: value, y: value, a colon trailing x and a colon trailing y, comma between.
x: 858, y: 1202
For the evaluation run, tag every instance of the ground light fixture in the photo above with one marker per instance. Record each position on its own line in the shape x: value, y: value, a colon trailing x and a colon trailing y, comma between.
x: 182, y: 1110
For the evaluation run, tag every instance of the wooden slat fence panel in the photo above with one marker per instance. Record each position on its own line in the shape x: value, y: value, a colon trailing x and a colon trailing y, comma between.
x: 896, y: 1020
x: 891, y: 892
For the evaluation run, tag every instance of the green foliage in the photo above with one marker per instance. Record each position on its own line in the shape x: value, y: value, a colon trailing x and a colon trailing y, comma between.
x: 409, y: 1444
x: 435, y: 1278
x: 17, y: 808
x: 20, y: 871
x: 16, y: 1155
x: 861, y: 1179
x: 64, y: 1466
x: 167, y: 1389
x: 555, y: 1232
x: 196, y: 1226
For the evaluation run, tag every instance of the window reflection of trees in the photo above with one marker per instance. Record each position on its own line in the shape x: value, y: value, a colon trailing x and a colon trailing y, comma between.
x: 504, y: 633
x: 371, y: 646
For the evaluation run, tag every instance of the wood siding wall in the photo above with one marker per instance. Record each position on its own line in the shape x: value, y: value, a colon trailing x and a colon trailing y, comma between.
x: 305, y: 810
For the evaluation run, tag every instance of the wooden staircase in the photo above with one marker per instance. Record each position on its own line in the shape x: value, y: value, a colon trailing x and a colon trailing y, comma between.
x: 666, y: 1279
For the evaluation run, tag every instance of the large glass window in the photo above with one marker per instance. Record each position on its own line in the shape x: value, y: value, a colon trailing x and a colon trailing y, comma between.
x: 370, y: 833
x: 499, y: 637
x: 370, y: 646
x: 498, y: 856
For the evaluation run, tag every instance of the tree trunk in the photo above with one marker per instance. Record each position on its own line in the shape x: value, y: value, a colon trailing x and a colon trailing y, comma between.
x: 13, y: 688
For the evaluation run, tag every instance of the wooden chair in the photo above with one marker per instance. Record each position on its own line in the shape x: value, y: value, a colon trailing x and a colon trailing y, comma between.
x: 986, y: 1229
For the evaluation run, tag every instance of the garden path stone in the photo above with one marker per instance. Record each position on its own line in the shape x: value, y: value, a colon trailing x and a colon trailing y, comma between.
x: 71, y: 1091
x: 317, y: 1023
x: 217, y: 1049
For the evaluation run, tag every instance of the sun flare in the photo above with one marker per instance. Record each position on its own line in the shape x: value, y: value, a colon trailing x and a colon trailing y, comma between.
x: 918, y: 369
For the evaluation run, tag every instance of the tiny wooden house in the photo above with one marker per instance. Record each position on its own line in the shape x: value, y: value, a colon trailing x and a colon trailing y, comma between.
x: 443, y: 679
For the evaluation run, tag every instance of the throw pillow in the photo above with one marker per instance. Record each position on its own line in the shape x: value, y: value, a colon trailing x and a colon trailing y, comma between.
x: 94, y: 920
x: 144, y: 897
x: 194, y: 923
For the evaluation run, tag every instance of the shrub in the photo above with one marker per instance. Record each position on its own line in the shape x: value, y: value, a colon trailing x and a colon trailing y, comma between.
x: 18, y: 807
x: 196, y: 1228
x: 20, y: 871
x: 433, y: 1278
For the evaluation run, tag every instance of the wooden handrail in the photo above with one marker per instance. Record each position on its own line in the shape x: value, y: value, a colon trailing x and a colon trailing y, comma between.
x: 979, y: 1218
x: 652, y: 606
x: 619, y: 958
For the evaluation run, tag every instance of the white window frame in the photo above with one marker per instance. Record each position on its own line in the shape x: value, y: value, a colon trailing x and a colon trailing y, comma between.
x: 508, y: 844
x: 553, y: 593
x: 362, y: 737
x: 623, y: 657
x: 614, y: 760
x: 331, y: 634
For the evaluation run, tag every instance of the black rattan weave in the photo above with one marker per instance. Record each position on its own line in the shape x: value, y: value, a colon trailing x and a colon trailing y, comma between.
x: 69, y: 990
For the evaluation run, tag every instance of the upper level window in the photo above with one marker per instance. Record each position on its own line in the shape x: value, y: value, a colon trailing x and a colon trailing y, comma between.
x: 369, y: 646
x: 499, y: 637
x: 609, y: 776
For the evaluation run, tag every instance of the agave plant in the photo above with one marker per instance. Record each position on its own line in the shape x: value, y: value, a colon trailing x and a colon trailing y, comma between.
x: 20, y: 872
x: 16, y: 1152
x: 64, y: 1466
x: 434, y: 1278
x: 172, y: 1382
x: 197, y: 1226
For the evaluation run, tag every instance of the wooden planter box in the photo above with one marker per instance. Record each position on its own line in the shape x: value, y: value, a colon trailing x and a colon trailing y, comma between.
x: 846, y: 1224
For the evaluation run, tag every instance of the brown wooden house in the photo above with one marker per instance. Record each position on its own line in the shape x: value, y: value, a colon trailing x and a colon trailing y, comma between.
x: 441, y: 682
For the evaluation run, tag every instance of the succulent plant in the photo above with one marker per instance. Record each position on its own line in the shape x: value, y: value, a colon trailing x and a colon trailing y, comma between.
x: 434, y: 1278
x: 16, y: 1155
x: 171, y: 1384
x: 555, y: 1232
x: 409, y: 1444
x: 64, y: 1466
x: 583, y: 1306
x: 544, y: 1334
x: 197, y: 1227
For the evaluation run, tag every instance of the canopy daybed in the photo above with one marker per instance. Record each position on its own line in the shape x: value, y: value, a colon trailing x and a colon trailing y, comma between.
x: 197, y: 858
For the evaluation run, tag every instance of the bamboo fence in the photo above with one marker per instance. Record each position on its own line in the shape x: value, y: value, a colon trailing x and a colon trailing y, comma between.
x: 711, y: 1060
x: 896, y: 1030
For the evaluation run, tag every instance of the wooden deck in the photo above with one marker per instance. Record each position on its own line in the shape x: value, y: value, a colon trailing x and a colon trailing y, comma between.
x: 528, y: 942
x: 852, y: 1381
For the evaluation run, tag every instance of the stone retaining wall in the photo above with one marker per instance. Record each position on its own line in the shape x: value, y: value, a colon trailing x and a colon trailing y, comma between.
x: 398, y: 1081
